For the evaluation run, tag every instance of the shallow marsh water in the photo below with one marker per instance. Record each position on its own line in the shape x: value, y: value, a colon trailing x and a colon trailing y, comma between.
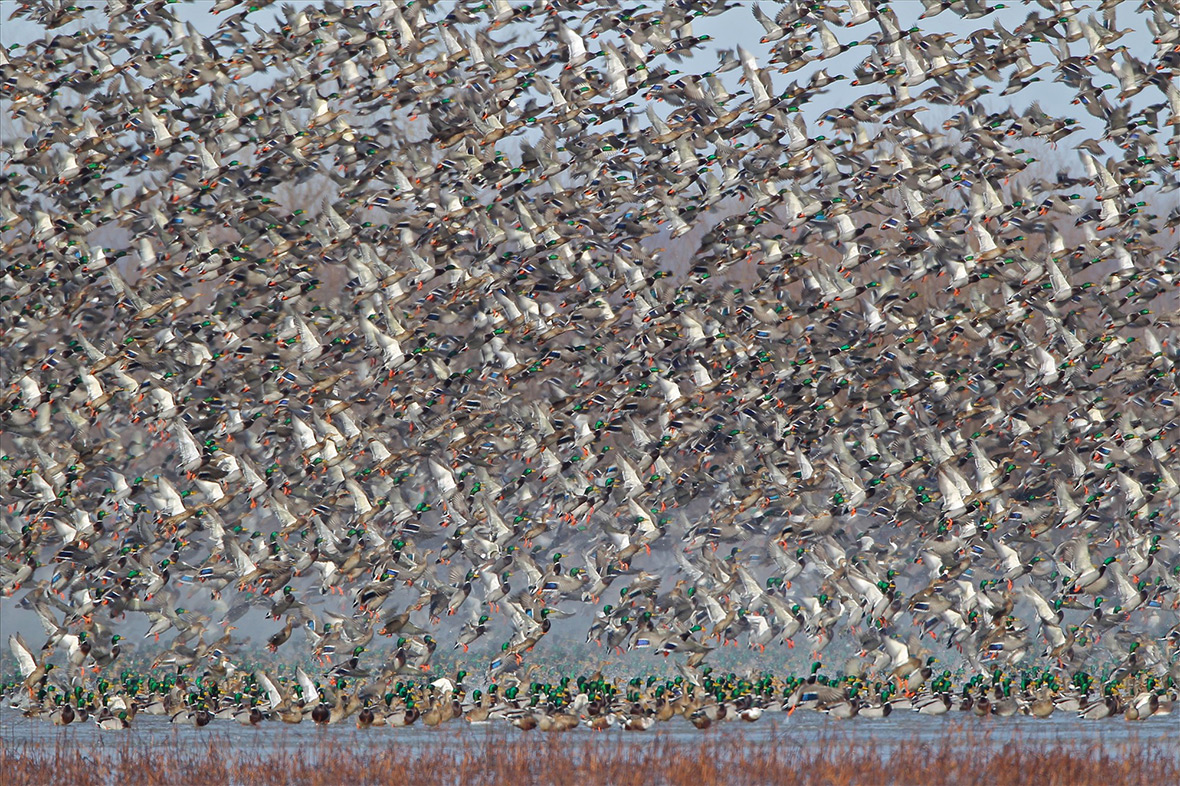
x: 901, y: 728
x: 804, y: 750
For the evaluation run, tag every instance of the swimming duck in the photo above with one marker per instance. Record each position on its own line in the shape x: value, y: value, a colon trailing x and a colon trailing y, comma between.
x: 112, y: 721
x: 63, y: 714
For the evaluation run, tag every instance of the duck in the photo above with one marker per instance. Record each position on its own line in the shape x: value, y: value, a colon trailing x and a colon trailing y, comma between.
x: 934, y: 704
x: 406, y: 715
x: 62, y: 715
x: 199, y: 717
x: 638, y: 721
x: 248, y: 716
x: 558, y: 721
x: 112, y: 721
x: 1042, y: 705
x: 480, y: 711
x: 882, y: 710
x: 844, y: 709
x: 1104, y: 708
x: 34, y: 673
x: 321, y: 714
x: 1142, y: 706
x: 525, y: 721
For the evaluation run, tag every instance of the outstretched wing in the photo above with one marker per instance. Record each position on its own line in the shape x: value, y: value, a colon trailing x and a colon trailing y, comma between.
x: 24, y: 656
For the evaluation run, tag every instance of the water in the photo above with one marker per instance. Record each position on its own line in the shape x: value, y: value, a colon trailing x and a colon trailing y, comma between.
x: 902, y: 728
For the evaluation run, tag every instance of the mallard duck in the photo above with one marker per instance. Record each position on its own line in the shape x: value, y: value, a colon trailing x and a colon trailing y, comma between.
x: 111, y: 721
x: 1142, y: 706
x: 843, y: 709
x: 198, y: 718
x: 638, y: 722
x: 526, y: 721
x: 291, y: 713
x: 558, y: 721
x: 403, y: 716
x: 935, y: 704
x: 248, y: 716
x: 882, y: 710
x: 480, y: 711
x: 1042, y: 705
x: 365, y: 718
x: 34, y: 673
x: 280, y: 638
x: 1098, y: 710
x: 62, y: 715
x: 601, y: 722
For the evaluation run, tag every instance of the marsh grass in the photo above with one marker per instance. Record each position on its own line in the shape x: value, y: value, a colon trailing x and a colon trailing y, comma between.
x: 514, y: 759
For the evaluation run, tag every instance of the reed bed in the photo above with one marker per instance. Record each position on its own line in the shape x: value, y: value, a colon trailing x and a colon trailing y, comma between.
x: 623, y: 760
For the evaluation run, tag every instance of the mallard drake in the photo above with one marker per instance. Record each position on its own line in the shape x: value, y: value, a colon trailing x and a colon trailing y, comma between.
x: 638, y: 722
x: 481, y: 710
x: 876, y: 710
x: 34, y: 673
x: 936, y: 704
x: 1003, y: 704
x: 62, y: 715
x: 365, y: 718
x: 248, y: 716
x: 198, y: 718
x: 322, y: 714
x: 403, y: 716
x: 1098, y: 710
x: 750, y: 714
x: 111, y: 721
x: 843, y: 709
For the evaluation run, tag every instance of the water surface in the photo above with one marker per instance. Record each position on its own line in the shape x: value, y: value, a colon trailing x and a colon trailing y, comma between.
x: 903, y: 728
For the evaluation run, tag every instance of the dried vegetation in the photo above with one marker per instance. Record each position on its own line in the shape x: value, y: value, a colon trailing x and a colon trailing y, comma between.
x: 607, y: 759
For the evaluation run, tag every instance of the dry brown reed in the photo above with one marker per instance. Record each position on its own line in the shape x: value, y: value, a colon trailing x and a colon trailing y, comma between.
x: 517, y: 760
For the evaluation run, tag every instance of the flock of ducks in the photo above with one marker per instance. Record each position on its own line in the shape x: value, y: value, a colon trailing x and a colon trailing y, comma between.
x: 367, y: 317
x: 598, y: 703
